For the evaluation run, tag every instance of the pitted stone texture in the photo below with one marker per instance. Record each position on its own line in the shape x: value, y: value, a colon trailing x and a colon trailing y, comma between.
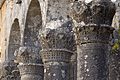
x: 57, y: 55
x: 114, y: 65
x: 92, y: 37
x: 9, y: 71
x: 93, y: 34
x: 31, y: 71
x: 30, y: 64
x: 56, y: 64
x: 96, y: 12
x: 59, y: 38
x: 56, y: 71
x: 116, y: 19
x: 92, y: 51
x: 58, y: 45
x: 73, y: 67
x: 27, y: 55
x: 92, y: 61
x: 57, y: 13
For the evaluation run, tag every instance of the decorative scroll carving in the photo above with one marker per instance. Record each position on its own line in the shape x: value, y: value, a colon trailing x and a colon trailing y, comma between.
x: 58, y: 45
x: 96, y: 12
x: 92, y: 36
x: 59, y: 38
x: 30, y: 64
x: 27, y: 55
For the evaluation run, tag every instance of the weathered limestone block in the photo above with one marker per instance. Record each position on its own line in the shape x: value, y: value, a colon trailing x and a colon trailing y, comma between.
x: 114, y: 65
x: 58, y: 13
x: 92, y: 36
x: 30, y: 64
x: 9, y: 71
x: 57, y: 49
x: 116, y: 19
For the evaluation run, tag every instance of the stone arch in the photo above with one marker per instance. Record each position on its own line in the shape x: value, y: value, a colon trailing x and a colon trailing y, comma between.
x: 14, y: 39
x: 33, y: 25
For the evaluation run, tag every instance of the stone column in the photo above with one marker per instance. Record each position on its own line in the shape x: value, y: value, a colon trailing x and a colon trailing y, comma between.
x: 73, y: 67
x: 30, y: 65
x: 57, y: 40
x: 114, y: 65
x: 57, y: 49
x: 92, y: 36
x: 114, y: 57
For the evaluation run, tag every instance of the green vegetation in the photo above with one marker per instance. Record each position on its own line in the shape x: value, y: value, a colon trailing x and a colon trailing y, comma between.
x: 116, y: 45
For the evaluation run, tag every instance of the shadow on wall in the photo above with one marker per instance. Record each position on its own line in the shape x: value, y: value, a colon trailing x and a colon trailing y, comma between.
x: 33, y: 25
x: 14, y: 39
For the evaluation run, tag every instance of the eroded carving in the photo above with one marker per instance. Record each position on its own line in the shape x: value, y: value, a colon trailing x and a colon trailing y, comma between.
x: 96, y: 12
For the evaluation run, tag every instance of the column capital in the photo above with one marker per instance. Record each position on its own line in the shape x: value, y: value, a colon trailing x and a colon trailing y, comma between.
x: 30, y: 64
x: 9, y: 70
x: 27, y: 54
x: 57, y: 44
x: 93, y: 33
x: 61, y: 38
x: 96, y: 12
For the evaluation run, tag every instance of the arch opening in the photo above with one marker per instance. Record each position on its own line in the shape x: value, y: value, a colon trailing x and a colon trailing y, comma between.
x: 33, y: 25
x: 14, y: 39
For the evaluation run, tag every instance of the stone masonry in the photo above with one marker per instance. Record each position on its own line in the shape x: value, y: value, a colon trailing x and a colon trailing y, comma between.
x: 59, y: 40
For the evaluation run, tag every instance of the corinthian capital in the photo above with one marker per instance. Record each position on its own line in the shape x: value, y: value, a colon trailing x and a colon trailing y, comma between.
x: 96, y: 12
x: 59, y: 38
x: 27, y: 55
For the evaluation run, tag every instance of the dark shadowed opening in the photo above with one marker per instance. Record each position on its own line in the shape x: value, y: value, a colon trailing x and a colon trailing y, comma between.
x: 33, y: 25
x: 14, y: 39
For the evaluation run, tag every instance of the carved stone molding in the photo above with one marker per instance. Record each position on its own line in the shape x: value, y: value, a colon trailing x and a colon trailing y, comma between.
x: 58, y: 55
x: 58, y: 45
x: 92, y: 33
x: 31, y: 71
x: 96, y: 12
x: 59, y: 38
x: 27, y: 55
x: 30, y: 64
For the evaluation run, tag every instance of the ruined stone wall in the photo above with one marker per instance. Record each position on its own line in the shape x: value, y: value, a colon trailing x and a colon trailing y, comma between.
x: 10, y: 11
x: 25, y: 18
